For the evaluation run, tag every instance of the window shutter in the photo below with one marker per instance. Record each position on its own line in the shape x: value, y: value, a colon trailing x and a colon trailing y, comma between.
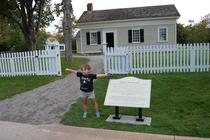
x: 99, y: 37
x: 129, y: 36
x: 141, y: 35
x: 88, y: 38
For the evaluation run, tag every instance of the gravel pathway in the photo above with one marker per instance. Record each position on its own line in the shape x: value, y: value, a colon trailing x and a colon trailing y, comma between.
x: 46, y: 104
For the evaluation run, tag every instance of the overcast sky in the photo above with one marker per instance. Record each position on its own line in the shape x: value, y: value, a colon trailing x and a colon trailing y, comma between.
x: 188, y: 9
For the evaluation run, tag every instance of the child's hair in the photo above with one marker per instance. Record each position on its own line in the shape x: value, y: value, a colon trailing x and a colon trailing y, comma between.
x: 85, y: 67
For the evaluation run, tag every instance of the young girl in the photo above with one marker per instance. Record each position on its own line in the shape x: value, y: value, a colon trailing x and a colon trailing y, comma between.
x: 86, y: 87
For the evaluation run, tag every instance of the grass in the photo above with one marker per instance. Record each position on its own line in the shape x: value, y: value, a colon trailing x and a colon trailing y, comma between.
x: 11, y: 86
x: 179, y: 106
x: 63, y: 53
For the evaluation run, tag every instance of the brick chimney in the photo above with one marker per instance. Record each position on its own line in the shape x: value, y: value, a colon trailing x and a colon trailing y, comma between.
x: 89, y: 7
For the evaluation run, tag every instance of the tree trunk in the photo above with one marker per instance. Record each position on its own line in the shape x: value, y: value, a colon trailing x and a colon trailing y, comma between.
x: 30, y: 40
x: 29, y: 32
x: 67, y: 29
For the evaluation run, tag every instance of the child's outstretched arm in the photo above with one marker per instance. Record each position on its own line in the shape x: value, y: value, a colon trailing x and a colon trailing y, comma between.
x: 71, y: 70
x: 103, y: 75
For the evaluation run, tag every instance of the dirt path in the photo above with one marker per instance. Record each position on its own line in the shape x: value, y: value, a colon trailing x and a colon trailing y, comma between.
x: 48, y: 103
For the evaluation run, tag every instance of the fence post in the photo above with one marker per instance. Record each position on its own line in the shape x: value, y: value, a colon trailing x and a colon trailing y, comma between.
x: 208, y: 49
x: 12, y: 64
x: 192, y: 58
x: 130, y: 59
x: 36, y: 63
x: 58, y: 59
x: 104, y: 45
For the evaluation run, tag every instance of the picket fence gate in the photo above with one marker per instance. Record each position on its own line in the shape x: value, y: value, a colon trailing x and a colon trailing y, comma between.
x: 156, y: 58
x: 39, y: 62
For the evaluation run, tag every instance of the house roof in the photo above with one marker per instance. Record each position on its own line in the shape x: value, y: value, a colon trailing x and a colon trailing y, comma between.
x: 129, y: 13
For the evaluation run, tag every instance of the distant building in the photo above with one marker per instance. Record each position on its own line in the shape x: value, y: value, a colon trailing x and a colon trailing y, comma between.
x: 51, y: 44
x: 207, y: 19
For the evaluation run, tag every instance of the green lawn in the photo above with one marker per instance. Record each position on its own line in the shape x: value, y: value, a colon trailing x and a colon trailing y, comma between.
x: 10, y: 86
x: 180, y: 105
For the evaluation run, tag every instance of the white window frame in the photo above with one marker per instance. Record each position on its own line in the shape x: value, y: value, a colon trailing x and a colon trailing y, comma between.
x: 159, y: 37
x: 134, y: 41
x: 92, y: 41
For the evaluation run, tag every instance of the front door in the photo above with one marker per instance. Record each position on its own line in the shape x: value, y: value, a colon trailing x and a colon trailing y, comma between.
x: 110, y: 39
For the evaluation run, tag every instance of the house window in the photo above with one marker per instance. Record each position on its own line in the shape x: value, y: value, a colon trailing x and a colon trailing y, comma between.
x: 136, y: 36
x: 162, y: 34
x: 93, y: 38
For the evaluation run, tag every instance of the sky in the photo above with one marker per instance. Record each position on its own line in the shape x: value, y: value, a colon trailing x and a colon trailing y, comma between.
x: 188, y: 9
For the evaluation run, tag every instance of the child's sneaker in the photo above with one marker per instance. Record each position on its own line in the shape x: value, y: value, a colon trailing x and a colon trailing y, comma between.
x: 84, y: 115
x: 97, y: 114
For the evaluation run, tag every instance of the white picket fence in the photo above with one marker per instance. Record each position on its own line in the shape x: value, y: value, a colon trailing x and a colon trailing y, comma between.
x: 156, y: 58
x: 40, y: 62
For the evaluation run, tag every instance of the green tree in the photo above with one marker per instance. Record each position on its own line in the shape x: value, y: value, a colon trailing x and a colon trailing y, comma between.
x: 29, y: 15
x: 41, y: 38
x: 181, y: 34
x: 59, y: 27
x: 17, y: 40
x: 200, y: 32
x: 4, y: 31
x: 208, y: 35
x: 197, y: 33
x: 11, y: 37
x: 59, y: 37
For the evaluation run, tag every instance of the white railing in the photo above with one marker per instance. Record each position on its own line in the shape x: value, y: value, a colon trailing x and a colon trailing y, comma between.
x: 40, y: 62
x: 156, y: 58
